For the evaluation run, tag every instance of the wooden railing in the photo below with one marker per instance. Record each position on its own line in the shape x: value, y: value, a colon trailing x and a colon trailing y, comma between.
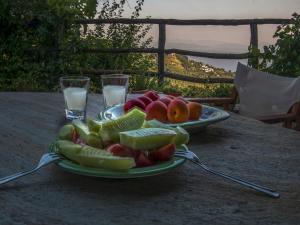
x: 161, y: 50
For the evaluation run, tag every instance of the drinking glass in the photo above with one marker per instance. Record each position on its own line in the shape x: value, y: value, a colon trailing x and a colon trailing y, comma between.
x: 114, y: 88
x: 75, y: 90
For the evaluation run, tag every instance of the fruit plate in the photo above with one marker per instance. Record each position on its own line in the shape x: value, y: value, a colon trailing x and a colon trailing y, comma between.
x: 209, y: 116
x: 156, y: 169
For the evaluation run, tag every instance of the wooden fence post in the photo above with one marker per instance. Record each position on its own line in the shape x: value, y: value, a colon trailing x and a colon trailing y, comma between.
x: 254, y: 42
x: 161, y: 53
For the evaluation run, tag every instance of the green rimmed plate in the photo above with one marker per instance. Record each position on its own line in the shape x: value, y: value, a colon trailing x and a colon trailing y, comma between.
x: 156, y: 169
x: 210, y: 115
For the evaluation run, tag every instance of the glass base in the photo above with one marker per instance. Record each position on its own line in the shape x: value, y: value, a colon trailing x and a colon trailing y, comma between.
x: 75, y: 114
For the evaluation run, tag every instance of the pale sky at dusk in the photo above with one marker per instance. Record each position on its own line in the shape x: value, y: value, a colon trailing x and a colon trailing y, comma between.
x: 218, y: 9
x: 230, y: 39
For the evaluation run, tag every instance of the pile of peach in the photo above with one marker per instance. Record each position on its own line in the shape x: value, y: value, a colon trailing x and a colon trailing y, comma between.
x: 165, y: 109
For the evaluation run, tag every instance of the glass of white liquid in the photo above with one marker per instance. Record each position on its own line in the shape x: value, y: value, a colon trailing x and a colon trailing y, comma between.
x: 114, y: 88
x: 75, y: 90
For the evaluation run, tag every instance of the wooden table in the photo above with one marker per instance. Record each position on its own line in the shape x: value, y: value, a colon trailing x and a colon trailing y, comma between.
x: 243, y: 147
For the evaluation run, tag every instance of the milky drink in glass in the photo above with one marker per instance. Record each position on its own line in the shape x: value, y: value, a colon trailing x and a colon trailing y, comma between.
x: 75, y: 98
x: 75, y: 91
x: 114, y: 94
x: 114, y: 88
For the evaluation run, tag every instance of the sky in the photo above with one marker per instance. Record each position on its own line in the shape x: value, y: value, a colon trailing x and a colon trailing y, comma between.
x: 229, y: 39
x: 218, y: 9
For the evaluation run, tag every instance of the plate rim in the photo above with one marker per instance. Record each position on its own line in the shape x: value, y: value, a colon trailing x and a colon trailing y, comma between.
x: 154, y: 170
x: 223, y: 116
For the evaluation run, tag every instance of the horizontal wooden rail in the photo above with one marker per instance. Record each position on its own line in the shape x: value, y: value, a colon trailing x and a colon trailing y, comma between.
x: 152, y: 50
x: 100, y: 72
x: 98, y: 50
x: 121, y: 50
x: 204, y: 22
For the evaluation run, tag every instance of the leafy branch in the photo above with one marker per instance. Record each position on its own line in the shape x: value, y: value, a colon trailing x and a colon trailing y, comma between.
x: 282, y: 58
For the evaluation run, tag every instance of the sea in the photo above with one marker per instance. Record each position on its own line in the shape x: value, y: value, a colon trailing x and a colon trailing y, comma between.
x: 226, y: 64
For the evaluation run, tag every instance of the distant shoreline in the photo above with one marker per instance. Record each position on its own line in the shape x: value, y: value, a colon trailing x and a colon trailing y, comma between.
x: 227, y: 64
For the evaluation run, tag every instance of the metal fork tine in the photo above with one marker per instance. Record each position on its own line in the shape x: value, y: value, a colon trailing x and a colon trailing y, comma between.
x: 45, y: 160
x: 54, y: 155
x: 180, y: 151
x: 55, y: 158
x: 195, y: 159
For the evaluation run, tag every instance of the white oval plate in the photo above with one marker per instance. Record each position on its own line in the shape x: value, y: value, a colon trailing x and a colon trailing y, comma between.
x: 209, y: 116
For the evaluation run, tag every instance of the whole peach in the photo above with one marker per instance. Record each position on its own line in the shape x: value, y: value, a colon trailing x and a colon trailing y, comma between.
x: 178, y: 111
x: 165, y: 100
x: 195, y: 110
x: 170, y: 97
x: 134, y: 103
x: 145, y: 99
x: 152, y: 95
x: 182, y: 99
x: 156, y: 110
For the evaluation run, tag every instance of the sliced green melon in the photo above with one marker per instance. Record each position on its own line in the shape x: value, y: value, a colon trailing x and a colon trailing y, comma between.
x: 94, y: 140
x: 94, y: 125
x: 182, y: 136
x: 155, y: 123
x: 103, y: 159
x: 66, y: 132
x: 91, y: 138
x: 132, y: 120
x: 94, y: 157
x: 81, y: 128
x: 68, y: 148
x: 147, y: 138
x: 89, y: 156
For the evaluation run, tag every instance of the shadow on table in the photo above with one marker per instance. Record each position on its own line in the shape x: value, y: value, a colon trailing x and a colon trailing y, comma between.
x: 62, y: 180
x: 176, y: 181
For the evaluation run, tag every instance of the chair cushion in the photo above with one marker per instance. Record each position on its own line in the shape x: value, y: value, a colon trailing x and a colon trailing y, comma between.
x: 263, y: 94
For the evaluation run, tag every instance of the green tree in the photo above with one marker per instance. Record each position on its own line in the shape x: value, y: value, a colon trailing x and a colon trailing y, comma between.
x: 48, y: 26
x: 282, y: 58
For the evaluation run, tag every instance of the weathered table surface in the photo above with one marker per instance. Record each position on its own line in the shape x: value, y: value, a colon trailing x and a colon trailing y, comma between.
x: 264, y: 154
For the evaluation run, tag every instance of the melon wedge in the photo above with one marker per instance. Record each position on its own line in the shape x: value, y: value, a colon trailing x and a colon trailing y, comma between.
x: 147, y: 138
x: 94, y: 125
x: 90, y: 138
x: 182, y: 136
x: 68, y: 148
x: 66, y: 132
x: 98, y: 158
x: 110, y: 129
x: 94, y: 157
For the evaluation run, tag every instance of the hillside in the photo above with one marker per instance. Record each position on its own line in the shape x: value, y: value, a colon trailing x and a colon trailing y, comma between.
x: 182, y: 65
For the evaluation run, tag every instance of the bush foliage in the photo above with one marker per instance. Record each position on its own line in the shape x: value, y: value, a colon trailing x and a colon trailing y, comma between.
x: 282, y: 58
x: 40, y: 42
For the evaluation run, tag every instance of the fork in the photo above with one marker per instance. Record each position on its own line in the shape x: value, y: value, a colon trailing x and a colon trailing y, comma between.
x: 195, y: 159
x: 45, y: 160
